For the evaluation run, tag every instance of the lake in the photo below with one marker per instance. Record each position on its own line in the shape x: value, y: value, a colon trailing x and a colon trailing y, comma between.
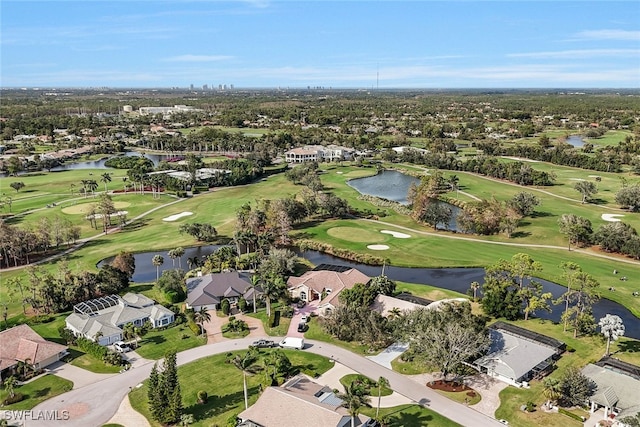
x: 393, y: 185
x: 454, y: 279
x: 575, y: 140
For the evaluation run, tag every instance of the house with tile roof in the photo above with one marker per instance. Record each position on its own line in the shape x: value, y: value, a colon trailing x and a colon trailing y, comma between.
x: 106, y: 316
x: 299, y: 402
x: 324, y: 283
x: 617, y: 387
x: 23, y: 344
x: 209, y: 290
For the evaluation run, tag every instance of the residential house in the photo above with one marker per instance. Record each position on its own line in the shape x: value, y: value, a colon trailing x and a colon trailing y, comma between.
x: 324, y: 283
x: 318, y: 153
x: 299, y: 402
x: 209, y: 290
x: 618, y: 387
x: 106, y: 317
x: 23, y: 344
x: 517, y: 355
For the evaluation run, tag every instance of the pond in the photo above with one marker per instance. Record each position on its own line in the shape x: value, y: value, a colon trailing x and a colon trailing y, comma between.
x: 393, y: 185
x: 145, y: 270
x: 454, y: 279
x: 575, y: 140
x: 388, y: 184
x: 100, y: 164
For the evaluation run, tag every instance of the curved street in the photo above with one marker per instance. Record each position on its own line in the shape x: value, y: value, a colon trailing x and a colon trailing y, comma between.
x: 95, y: 404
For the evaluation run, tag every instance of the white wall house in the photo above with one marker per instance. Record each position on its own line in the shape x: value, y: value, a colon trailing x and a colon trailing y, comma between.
x: 318, y: 153
x: 106, y: 317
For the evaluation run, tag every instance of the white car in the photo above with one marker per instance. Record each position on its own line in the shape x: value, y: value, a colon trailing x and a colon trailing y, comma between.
x: 304, y: 319
x: 121, y: 347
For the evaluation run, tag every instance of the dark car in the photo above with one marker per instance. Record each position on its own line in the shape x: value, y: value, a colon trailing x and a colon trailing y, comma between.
x: 302, y: 327
x: 301, y: 303
x: 263, y: 344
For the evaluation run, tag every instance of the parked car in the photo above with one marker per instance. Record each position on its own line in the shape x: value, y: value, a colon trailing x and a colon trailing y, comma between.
x: 263, y: 344
x: 304, y: 319
x: 302, y: 327
x: 121, y: 347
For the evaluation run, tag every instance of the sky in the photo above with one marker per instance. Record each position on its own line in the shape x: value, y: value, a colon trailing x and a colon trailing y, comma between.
x: 330, y: 44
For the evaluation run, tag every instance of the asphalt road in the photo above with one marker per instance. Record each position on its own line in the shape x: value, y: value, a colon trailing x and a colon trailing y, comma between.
x: 95, y: 404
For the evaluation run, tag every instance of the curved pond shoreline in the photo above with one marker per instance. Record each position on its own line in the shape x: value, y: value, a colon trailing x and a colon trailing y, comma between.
x: 456, y: 279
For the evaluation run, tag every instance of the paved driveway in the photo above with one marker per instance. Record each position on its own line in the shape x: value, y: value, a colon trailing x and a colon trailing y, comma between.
x: 297, y: 317
x: 213, y: 327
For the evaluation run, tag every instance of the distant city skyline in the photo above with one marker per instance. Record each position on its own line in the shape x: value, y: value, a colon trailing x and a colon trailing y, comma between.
x: 329, y: 44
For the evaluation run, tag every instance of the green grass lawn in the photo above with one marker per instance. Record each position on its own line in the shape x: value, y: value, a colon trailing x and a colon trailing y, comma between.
x: 315, y: 332
x: 37, y: 391
x: 372, y: 389
x: 410, y: 416
x: 223, y: 383
x: 177, y: 338
x: 461, y: 396
x: 277, y: 331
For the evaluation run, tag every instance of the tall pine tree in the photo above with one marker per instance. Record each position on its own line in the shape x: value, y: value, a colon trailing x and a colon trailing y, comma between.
x: 165, y: 397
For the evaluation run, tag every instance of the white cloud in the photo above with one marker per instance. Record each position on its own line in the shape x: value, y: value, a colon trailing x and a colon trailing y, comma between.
x: 608, y: 35
x: 198, y: 58
x: 579, y: 53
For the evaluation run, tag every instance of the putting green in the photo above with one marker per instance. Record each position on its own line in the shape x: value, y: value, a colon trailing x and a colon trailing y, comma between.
x: 84, y: 208
x: 354, y: 234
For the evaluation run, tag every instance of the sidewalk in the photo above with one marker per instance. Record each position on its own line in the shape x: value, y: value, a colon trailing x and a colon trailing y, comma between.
x: 331, y: 378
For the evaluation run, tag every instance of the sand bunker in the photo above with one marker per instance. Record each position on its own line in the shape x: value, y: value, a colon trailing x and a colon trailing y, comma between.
x: 611, y: 217
x: 396, y: 234
x: 577, y: 179
x: 177, y: 216
x: 99, y: 216
x: 378, y: 247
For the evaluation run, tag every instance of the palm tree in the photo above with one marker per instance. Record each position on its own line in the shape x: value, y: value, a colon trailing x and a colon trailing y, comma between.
x: 474, y: 287
x: 353, y: 399
x: 247, y: 364
x: 612, y: 328
x: 105, y: 177
x: 255, y: 281
x: 382, y: 382
x: 272, y: 289
x: 552, y: 389
x: 10, y: 384
x: 92, y: 185
x: 157, y: 260
x: 193, y: 262
x: 179, y: 251
x: 200, y: 317
x: 173, y: 256
x: 128, y: 331
x: 23, y: 367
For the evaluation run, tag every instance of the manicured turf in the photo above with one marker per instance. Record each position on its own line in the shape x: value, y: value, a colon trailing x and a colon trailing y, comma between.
x: 373, y: 390
x: 37, y: 391
x: 223, y: 383
x: 177, y: 338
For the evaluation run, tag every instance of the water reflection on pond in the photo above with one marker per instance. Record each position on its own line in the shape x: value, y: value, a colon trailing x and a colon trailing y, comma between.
x: 454, y: 279
x: 393, y: 185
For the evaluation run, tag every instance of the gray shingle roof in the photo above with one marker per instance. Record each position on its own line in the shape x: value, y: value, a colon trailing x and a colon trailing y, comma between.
x: 623, y: 386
